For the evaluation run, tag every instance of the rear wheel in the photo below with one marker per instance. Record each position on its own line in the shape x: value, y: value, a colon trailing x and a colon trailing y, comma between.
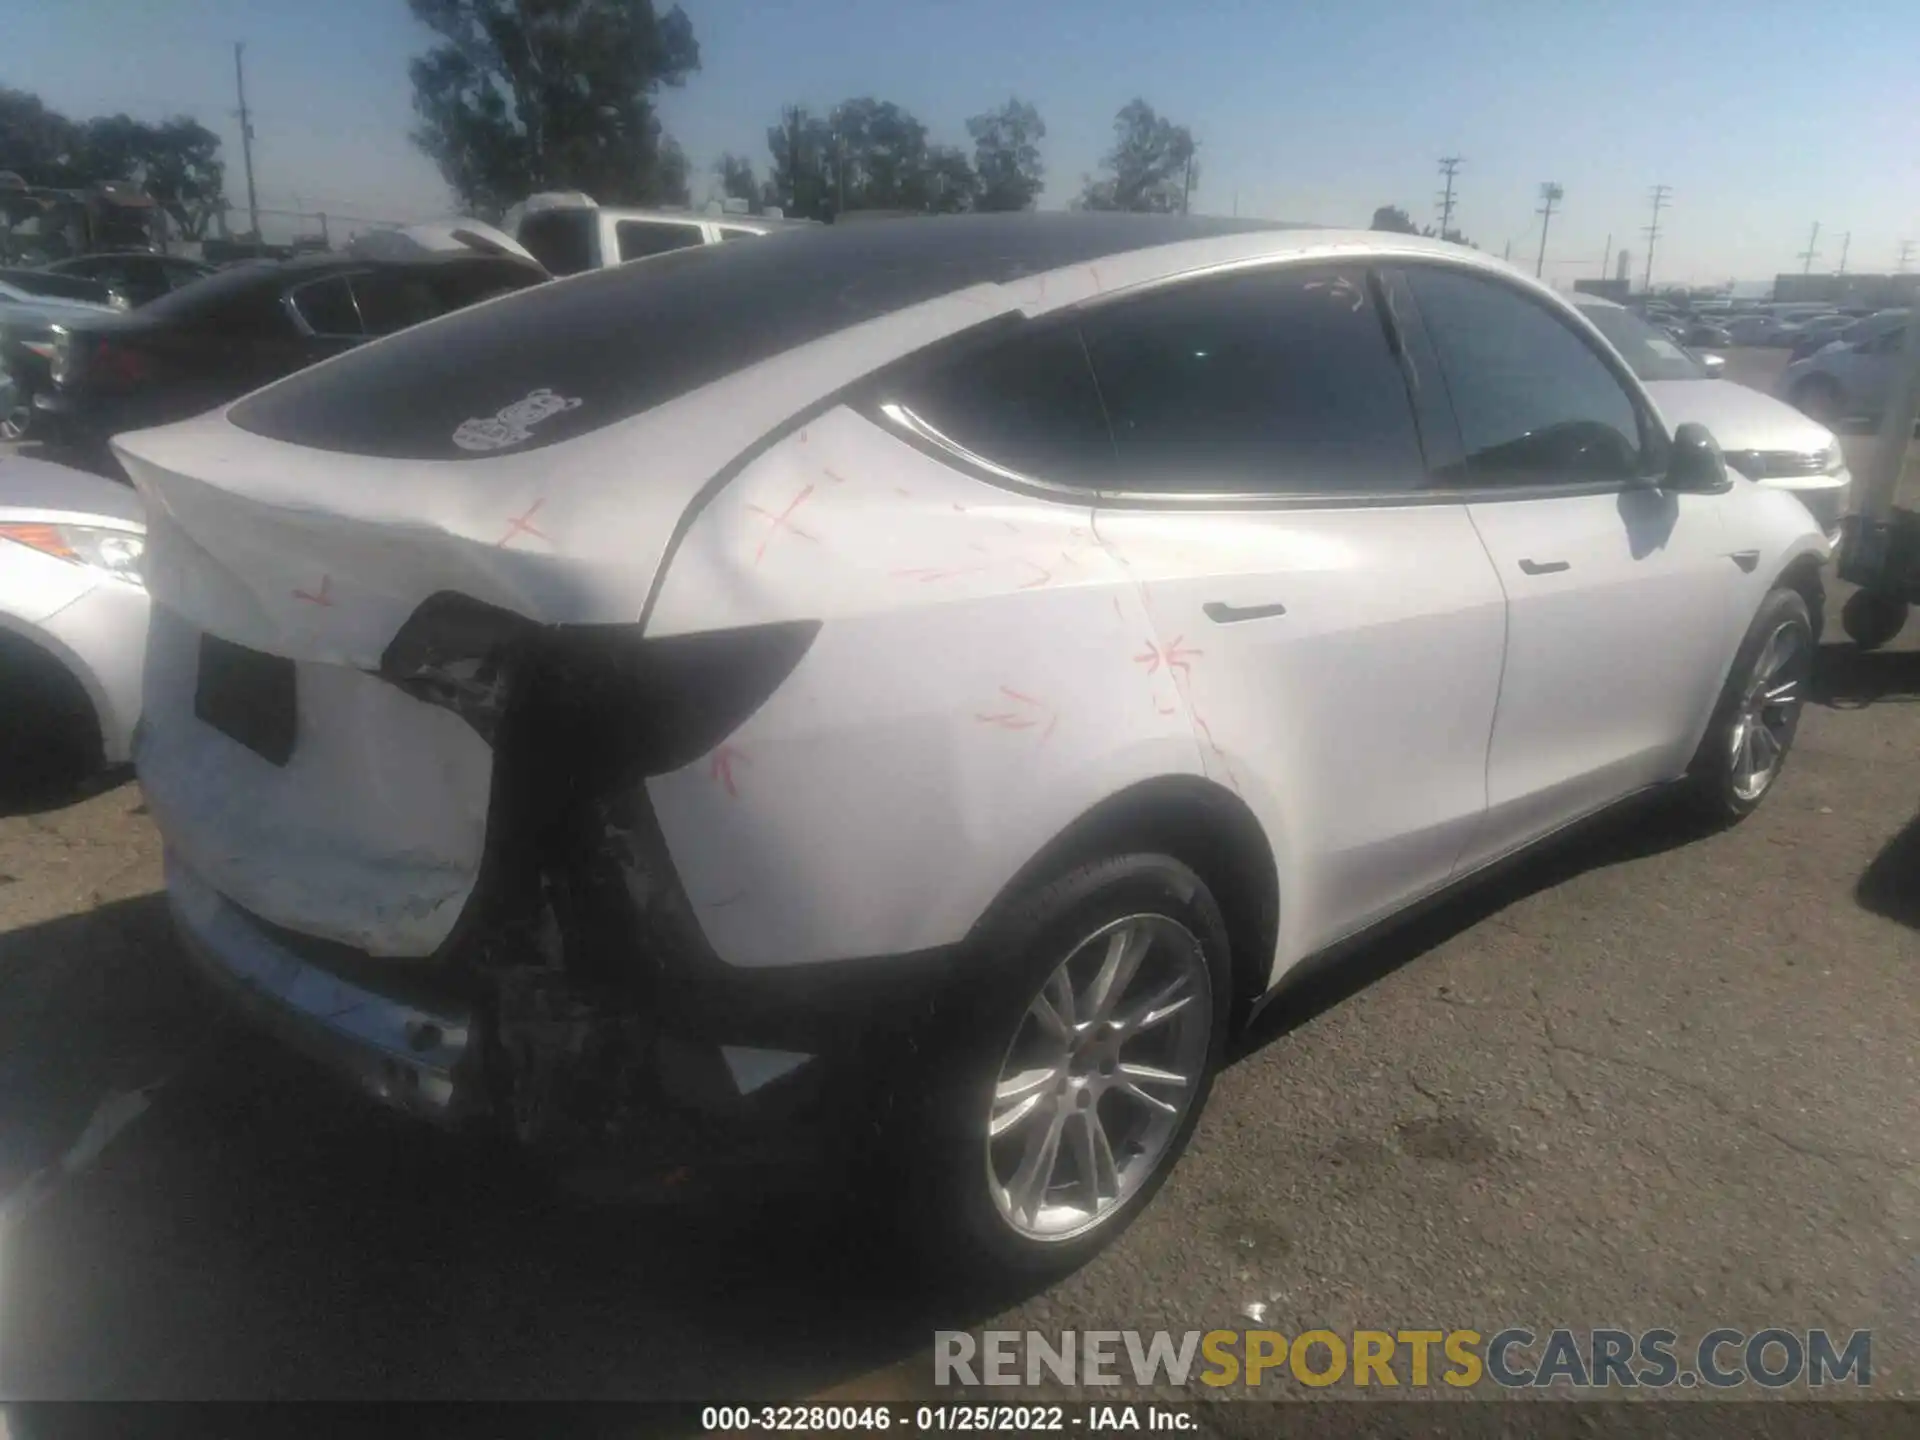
x: 1753, y: 727
x: 49, y: 738
x: 1076, y: 1081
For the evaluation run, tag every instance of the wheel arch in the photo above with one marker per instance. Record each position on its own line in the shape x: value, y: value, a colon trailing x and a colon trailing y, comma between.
x: 1804, y: 574
x: 1206, y: 827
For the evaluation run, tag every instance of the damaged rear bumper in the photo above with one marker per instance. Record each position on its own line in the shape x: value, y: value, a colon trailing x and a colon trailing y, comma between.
x: 415, y: 1056
x: 727, y: 1068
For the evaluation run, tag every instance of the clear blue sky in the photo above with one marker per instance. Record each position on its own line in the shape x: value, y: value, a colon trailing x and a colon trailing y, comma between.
x: 1760, y: 121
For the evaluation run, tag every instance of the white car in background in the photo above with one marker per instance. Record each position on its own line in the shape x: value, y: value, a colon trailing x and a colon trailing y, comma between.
x: 911, y: 691
x: 1765, y: 439
x: 73, y: 622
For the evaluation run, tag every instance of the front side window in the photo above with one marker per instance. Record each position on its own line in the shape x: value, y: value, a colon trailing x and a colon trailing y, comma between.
x: 1650, y: 354
x: 327, y: 307
x: 1277, y: 382
x: 1536, y: 403
x: 1026, y: 406
x: 640, y: 238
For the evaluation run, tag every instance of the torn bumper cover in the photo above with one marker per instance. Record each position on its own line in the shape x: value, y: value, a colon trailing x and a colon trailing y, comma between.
x: 716, y: 1066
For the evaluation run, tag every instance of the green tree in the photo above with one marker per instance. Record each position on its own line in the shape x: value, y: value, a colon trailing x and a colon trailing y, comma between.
x: 39, y: 145
x: 801, y: 146
x: 528, y: 95
x: 1006, y: 156
x: 176, y: 162
x: 1150, y: 168
x: 1393, y: 218
x: 737, y: 182
x: 951, y: 183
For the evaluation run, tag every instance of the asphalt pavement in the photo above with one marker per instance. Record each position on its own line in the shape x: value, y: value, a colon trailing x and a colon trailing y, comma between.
x: 1652, y: 1079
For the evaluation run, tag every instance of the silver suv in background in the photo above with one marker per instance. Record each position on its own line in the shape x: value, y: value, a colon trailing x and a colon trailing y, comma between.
x: 1849, y: 379
x: 1763, y: 439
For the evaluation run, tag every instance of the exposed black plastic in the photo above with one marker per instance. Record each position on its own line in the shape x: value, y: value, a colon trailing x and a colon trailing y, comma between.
x: 248, y: 696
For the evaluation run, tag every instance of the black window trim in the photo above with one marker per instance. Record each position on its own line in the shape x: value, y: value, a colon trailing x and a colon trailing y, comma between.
x: 300, y: 322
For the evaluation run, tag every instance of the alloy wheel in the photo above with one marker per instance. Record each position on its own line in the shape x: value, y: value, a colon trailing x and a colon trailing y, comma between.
x: 1098, y: 1078
x: 1770, y: 710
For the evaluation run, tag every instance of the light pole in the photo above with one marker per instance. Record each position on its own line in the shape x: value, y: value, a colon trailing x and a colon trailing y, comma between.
x: 1550, y: 195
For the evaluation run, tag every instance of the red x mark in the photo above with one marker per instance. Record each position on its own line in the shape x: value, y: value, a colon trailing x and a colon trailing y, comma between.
x: 1018, y: 720
x: 1173, y: 655
x: 1045, y: 576
x: 782, y: 521
x: 722, y: 768
x: 319, y: 598
x: 522, y: 525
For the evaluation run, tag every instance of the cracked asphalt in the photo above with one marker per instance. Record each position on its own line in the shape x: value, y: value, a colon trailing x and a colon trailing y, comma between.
x: 1650, y: 1079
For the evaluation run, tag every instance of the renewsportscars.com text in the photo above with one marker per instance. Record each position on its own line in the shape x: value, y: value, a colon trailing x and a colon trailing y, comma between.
x: 1512, y: 1358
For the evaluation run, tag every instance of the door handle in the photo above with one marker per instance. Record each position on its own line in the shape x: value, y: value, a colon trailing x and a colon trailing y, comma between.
x: 1544, y: 567
x: 1233, y: 614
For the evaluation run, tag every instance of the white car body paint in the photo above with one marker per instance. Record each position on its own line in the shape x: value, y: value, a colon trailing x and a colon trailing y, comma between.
x: 93, y: 623
x: 992, y: 664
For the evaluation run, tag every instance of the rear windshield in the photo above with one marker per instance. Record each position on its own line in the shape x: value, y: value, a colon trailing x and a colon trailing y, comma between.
x: 563, y: 359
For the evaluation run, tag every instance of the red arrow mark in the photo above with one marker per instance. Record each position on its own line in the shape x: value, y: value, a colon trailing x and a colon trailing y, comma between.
x: 326, y: 588
x: 520, y: 525
x: 724, y: 759
x: 1022, y: 720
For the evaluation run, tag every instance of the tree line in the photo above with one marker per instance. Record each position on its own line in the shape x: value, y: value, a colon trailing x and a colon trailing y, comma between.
x: 176, y: 162
x: 517, y: 99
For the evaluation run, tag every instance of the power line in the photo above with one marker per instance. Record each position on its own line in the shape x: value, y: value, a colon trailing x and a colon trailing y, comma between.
x: 1652, y: 232
x: 1810, y: 254
x: 1550, y: 195
x: 1449, y: 167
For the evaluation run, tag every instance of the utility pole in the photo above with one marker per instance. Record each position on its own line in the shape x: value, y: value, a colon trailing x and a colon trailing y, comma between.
x: 1449, y: 167
x: 1507, y: 253
x: 1550, y: 195
x: 1606, y: 254
x: 1810, y: 254
x: 1846, y: 243
x: 1652, y: 232
x: 1906, y: 254
x: 246, y: 143
x: 1186, y: 187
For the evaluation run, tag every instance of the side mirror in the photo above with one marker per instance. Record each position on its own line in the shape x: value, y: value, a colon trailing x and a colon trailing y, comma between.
x: 1695, y: 465
x: 1714, y: 365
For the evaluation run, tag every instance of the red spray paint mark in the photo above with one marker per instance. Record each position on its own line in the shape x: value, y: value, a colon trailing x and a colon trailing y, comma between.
x: 724, y: 759
x: 1045, y: 576
x: 925, y: 576
x: 782, y: 521
x: 836, y: 479
x: 1012, y: 529
x: 1025, y: 719
x: 1174, y: 655
x: 1118, y: 613
x: 321, y: 596
x: 522, y: 525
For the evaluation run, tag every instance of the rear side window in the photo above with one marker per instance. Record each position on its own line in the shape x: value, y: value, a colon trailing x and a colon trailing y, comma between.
x: 1027, y: 405
x: 561, y: 240
x: 1536, y: 403
x: 638, y: 239
x: 327, y: 306
x: 1280, y: 382
x: 390, y: 302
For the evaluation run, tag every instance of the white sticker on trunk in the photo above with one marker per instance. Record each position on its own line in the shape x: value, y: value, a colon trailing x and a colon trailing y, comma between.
x: 512, y: 424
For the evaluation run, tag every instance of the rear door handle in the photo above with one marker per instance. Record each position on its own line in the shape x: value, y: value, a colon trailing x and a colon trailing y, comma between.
x: 1544, y: 567
x: 1233, y: 614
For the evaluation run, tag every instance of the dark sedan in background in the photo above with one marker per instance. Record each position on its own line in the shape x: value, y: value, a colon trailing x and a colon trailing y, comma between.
x: 138, y: 276
x: 234, y: 331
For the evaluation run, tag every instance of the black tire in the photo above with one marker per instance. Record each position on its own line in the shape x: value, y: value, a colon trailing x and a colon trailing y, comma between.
x: 1818, y: 398
x: 1714, y: 785
x: 49, y: 736
x: 1872, y: 620
x: 959, y: 1225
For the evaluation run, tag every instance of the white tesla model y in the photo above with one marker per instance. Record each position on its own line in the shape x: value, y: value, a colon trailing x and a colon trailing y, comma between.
x: 920, y: 685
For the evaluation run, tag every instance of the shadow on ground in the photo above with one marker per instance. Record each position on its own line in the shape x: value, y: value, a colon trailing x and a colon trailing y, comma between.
x: 1891, y: 886
x: 258, y: 1234
x: 1848, y: 678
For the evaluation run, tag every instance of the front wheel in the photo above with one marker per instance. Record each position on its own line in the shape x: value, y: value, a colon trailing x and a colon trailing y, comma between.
x: 1078, y: 1077
x: 1753, y: 726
